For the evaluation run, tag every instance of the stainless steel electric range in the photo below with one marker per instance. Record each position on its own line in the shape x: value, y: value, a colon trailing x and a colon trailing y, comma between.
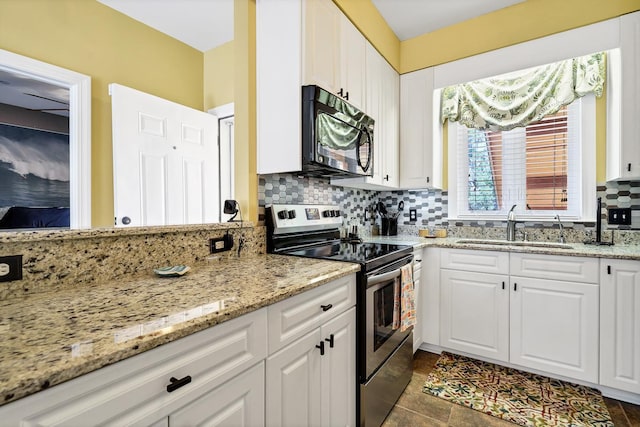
x: 384, y: 355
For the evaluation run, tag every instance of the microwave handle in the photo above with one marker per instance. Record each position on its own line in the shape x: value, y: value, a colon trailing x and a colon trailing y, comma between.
x: 366, y: 166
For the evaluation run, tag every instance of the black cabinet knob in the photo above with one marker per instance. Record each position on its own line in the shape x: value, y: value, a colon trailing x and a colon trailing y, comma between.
x: 326, y: 307
x: 321, y: 347
x: 126, y: 220
x: 330, y: 340
x: 177, y: 383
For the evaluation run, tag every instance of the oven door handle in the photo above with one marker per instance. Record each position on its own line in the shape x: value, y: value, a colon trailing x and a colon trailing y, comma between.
x: 373, y: 280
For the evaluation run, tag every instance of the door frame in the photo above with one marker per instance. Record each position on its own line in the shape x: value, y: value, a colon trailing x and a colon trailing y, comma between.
x: 79, y: 86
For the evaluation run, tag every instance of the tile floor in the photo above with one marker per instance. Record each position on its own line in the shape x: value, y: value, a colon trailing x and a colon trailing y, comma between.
x: 416, y: 409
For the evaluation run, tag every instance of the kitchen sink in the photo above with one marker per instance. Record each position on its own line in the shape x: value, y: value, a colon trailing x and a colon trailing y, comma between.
x: 549, y: 245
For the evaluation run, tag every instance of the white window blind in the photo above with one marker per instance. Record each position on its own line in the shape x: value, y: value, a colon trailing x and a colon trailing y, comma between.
x: 538, y: 168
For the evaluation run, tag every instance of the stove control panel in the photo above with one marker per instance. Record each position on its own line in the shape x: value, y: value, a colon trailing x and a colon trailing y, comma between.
x: 293, y: 218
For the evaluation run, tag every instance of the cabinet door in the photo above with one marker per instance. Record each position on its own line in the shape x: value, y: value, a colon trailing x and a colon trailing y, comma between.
x: 239, y: 402
x: 417, y: 293
x: 321, y: 57
x: 373, y: 109
x: 430, y: 290
x: 554, y: 327
x: 474, y: 315
x: 623, y: 153
x: 352, y: 63
x: 338, y: 372
x: 279, y: 71
x: 390, y: 114
x: 620, y: 324
x: 417, y: 156
x: 293, y: 384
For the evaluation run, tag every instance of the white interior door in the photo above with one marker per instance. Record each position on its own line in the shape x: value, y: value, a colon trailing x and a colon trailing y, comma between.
x: 165, y: 161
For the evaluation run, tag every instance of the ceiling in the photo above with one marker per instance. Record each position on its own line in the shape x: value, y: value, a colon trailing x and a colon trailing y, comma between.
x: 202, y: 24
x: 411, y: 18
x: 205, y: 24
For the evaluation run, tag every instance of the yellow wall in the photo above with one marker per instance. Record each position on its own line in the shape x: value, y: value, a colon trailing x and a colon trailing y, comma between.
x: 90, y: 38
x: 515, y: 24
x: 246, y: 177
x: 368, y: 20
x: 219, y: 76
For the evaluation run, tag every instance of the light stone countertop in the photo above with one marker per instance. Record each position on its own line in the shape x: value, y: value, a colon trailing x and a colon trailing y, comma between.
x: 52, y: 337
x: 573, y: 249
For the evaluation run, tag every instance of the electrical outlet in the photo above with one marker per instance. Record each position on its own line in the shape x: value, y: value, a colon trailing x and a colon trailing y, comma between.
x: 619, y: 216
x: 413, y: 215
x: 10, y: 268
x: 221, y: 244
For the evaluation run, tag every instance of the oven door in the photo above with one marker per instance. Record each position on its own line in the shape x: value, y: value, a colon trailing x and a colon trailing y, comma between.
x: 381, y: 338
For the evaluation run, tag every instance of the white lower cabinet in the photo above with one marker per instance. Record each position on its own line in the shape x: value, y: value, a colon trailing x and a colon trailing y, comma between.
x: 134, y: 391
x: 475, y: 313
x: 311, y: 382
x: 338, y: 371
x: 620, y: 324
x: 417, y: 295
x: 238, y: 403
x: 521, y: 314
x: 554, y: 326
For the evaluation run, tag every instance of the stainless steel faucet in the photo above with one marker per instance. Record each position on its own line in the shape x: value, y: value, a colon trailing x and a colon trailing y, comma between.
x: 561, y: 239
x: 511, y: 225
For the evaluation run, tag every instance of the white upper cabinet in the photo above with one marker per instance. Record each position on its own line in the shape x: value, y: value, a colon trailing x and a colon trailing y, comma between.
x: 352, y: 63
x: 321, y: 50
x: 623, y: 103
x: 278, y: 85
x: 301, y: 42
x: 334, y: 51
x: 420, y: 152
x: 382, y: 102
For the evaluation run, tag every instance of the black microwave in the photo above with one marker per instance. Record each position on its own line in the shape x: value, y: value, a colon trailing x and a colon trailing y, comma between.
x: 337, y: 138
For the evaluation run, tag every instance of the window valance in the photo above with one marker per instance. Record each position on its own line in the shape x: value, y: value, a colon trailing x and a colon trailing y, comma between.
x: 517, y: 99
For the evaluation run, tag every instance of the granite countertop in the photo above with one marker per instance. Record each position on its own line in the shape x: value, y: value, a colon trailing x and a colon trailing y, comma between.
x: 52, y: 337
x: 574, y: 249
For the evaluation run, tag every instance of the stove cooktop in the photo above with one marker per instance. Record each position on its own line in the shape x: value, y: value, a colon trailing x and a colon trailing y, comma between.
x: 362, y: 253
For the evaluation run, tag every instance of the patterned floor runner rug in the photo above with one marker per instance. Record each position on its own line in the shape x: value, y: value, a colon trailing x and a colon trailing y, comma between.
x: 516, y: 396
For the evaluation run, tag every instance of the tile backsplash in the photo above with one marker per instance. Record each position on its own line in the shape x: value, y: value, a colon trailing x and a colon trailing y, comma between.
x: 430, y: 204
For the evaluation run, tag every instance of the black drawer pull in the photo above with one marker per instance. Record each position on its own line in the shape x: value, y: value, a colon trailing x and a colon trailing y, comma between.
x: 321, y: 347
x: 176, y: 384
x: 326, y: 307
x: 330, y: 340
x: 502, y: 285
x: 515, y: 286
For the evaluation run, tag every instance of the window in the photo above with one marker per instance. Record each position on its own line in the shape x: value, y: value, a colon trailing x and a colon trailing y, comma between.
x: 545, y: 168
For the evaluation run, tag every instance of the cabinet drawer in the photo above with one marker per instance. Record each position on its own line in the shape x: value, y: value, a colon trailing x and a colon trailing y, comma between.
x: 134, y: 391
x: 295, y: 316
x: 555, y: 267
x: 478, y: 261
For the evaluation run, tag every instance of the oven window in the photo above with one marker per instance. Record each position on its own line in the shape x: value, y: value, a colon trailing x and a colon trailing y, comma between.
x: 384, y: 301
